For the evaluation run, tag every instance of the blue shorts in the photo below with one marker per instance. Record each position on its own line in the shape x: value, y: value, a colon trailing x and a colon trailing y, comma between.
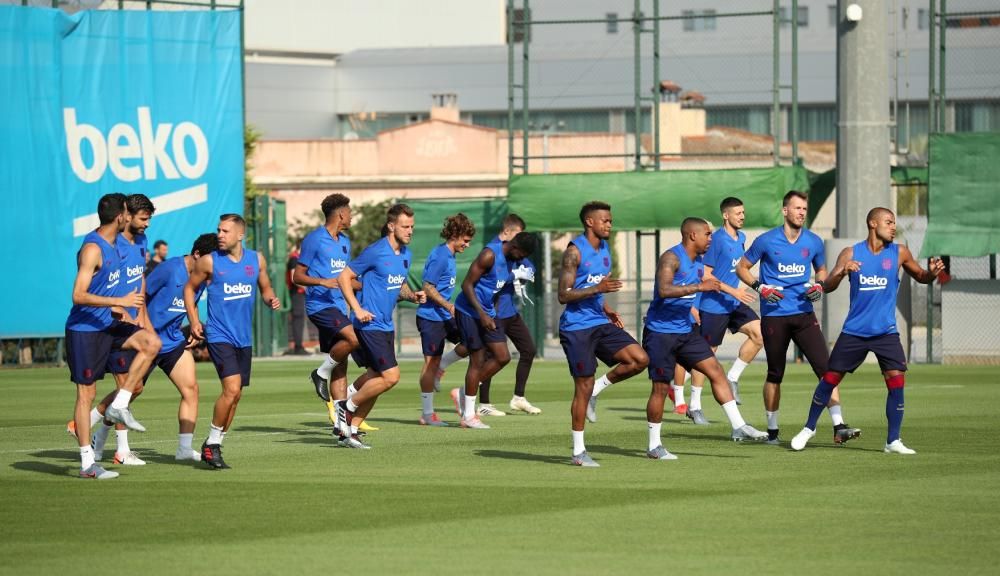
x: 713, y: 326
x: 329, y: 322
x: 474, y: 336
x: 433, y: 333
x: 585, y: 346
x: 850, y: 351
x: 88, y: 354
x: 667, y: 350
x: 376, y: 350
x: 166, y: 361
x: 230, y: 360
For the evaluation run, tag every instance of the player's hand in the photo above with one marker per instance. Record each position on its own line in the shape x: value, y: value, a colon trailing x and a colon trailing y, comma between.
x: 615, y: 318
x: 710, y: 285
x: 197, y: 331
x: 487, y: 322
x: 745, y: 297
x: 331, y: 283
x: 419, y: 297
x: 363, y: 315
x: 274, y: 303
x: 935, y: 266
x: 450, y: 308
x: 852, y: 266
x: 609, y: 284
x: 132, y: 299
x: 770, y: 293
x: 696, y: 316
x: 813, y: 291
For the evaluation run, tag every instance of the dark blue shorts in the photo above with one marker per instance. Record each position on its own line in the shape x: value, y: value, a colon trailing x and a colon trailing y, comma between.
x: 230, y: 360
x: 376, y: 350
x: 585, y: 346
x: 667, y: 350
x: 89, y: 353
x: 166, y: 361
x: 713, y: 326
x: 433, y: 333
x: 850, y: 351
x: 474, y: 336
x: 329, y: 322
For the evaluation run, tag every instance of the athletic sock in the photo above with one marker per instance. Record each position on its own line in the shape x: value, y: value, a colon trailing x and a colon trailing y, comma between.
x: 578, y: 446
x: 350, y: 405
x: 695, y: 403
x: 449, y: 358
x: 470, y: 407
x: 121, y: 399
x: 678, y: 394
x: 351, y: 391
x: 736, y: 370
x: 354, y: 430
x: 821, y: 397
x: 87, y: 457
x: 223, y: 437
x: 772, y: 420
x: 894, y: 413
x: 122, y: 441
x: 837, y: 415
x: 601, y: 384
x: 95, y: 417
x: 102, y: 432
x: 733, y: 413
x: 184, y: 440
x: 427, y: 401
x: 214, y: 434
x: 326, y: 368
x: 654, y: 434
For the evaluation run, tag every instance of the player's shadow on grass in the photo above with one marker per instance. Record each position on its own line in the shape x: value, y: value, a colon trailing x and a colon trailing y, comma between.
x: 507, y: 455
x: 406, y: 422
x: 261, y: 429
x: 44, y: 468
x: 619, y: 409
x: 159, y: 458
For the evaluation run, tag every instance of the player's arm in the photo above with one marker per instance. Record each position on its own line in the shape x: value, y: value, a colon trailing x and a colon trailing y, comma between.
x: 264, y: 283
x: 143, y: 311
x: 913, y: 268
x: 665, y: 288
x: 88, y: 263
x: 567, y: 277
x: 434, y: 296
x: 406, y: 293
x: 201, y: 273
x: 741, y: 295
x: 844, y: 266
x: 346, y: 281
x: 770, y: 293
x: 300, y: 276
x: 481, y: 265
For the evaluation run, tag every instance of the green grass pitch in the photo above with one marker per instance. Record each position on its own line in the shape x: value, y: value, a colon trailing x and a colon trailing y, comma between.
x: 506, y: 500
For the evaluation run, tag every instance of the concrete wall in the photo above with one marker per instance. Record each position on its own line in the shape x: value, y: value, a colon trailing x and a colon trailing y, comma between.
x: 970, y: 309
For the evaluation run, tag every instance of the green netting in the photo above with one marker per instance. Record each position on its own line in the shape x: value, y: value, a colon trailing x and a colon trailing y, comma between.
x: 963, y: 195
x: 653, y: 200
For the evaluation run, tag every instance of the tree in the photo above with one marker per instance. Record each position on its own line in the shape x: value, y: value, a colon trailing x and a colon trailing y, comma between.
x: 365, y: 229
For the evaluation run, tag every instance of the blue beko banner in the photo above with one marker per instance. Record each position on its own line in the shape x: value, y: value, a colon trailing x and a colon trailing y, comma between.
x: 109, y: 101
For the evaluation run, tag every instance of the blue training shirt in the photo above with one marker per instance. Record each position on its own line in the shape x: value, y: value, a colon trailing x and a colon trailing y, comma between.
x: 594, y: 266
x: 382, y: 273
x: 231, y: 296
x: 488, y: 284
x: 673, y: 315
x: 723, y: 255
x: 133, y: 255
x: 104, y: 283
x: 873, y: 292
x: 324, y: 257
x: 788, y: 266
x: 440, y: 272
x: 165, y: 301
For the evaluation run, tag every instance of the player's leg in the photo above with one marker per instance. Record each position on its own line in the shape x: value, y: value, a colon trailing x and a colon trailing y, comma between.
x: 337, y: 340
x: 676, y: 390
x: 182, y: 374
x: 892, y: 360
x: 146, y: 345
x: 615, y: 347
x: 695, y: 353
x: 520, y: 336
x: 777, y: 337
x: 497, y: 357
x: 810, y: 340
x: 488, y: 361
x: 123, y: 452
x: 432, y: 339
x: 579, y: 348
x: 454, y: 335
x: 745, y: 321
x: 660, y: 350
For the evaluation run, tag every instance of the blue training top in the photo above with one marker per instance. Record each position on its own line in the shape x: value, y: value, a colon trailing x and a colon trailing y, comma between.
x: 488, y: 284
x: 165, y: 301
x: 324, y: 257
x: 133, y: 255
x: 594, y: 266
x: 231, y: 296
x: 673, y: 315
x: 382, y: 273
x: 440, y: 272
x: 104, y: 283
x: 723, y: 255
x: 873, y: 292
x: 788, y: 266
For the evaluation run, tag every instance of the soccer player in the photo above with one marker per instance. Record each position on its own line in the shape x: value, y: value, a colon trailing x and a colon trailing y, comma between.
x: 589, y: 328
x: 728, y: 308
x: 786, y: 254
x: 482, y: 335
x: 235, y: 275
x: 873, y: 267
x: 382, y: 268
x: 325, y: 253
x: 669, y: 339
x: 93, y: 331
x: 160, y: 249
x: 436, y: 317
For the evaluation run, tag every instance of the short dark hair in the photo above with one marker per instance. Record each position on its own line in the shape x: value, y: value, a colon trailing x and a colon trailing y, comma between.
x: 393, y: 214
x: 690, y: 222
x: 793, y: 194
x: 159, y: 243
x: 138, y: 202
x: 205, y: 244
x: 729, y: 202
x: 511, y: 220
x: 233, y: 218
x: 592, y: 206
x: 110, y: 206
x: 457, y: 226
x: 525, y: 242
x: 332, y: 203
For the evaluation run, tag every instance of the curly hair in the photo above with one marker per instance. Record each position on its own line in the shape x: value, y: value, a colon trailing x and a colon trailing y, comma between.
x: 457, y: 226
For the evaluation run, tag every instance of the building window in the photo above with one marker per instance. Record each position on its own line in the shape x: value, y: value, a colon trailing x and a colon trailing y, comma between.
x: 785, y: 20
x: 612, y: 18
x: 834, y: 16
x: 923, y: 19
x: 698, y: 21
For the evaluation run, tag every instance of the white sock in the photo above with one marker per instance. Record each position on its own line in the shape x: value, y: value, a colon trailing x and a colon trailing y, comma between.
x: 836, y: 415
x: 351, y: 391
x: 449, y: 358
x: 223, y: 437
x: 87, y: 457
x: 326, y: 368
x: 470, y: 407
x: 95, y: 417
x: 354, y: 430
x: 678, y: 394
x: 578, y: 447
x: 184, y: 441
x: 351, y: 406
x: 772, y: 420
x: 121, y: 399
x: 736, y: 370
x: 601, y: 384
x: 427, y: 400
x: 654, y: 434
x: 695, y: 403
x: 102, y: 432
x: 214, y: 434
x: 687, y: 377
x: 122, y: 438
x: 733, y: 413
